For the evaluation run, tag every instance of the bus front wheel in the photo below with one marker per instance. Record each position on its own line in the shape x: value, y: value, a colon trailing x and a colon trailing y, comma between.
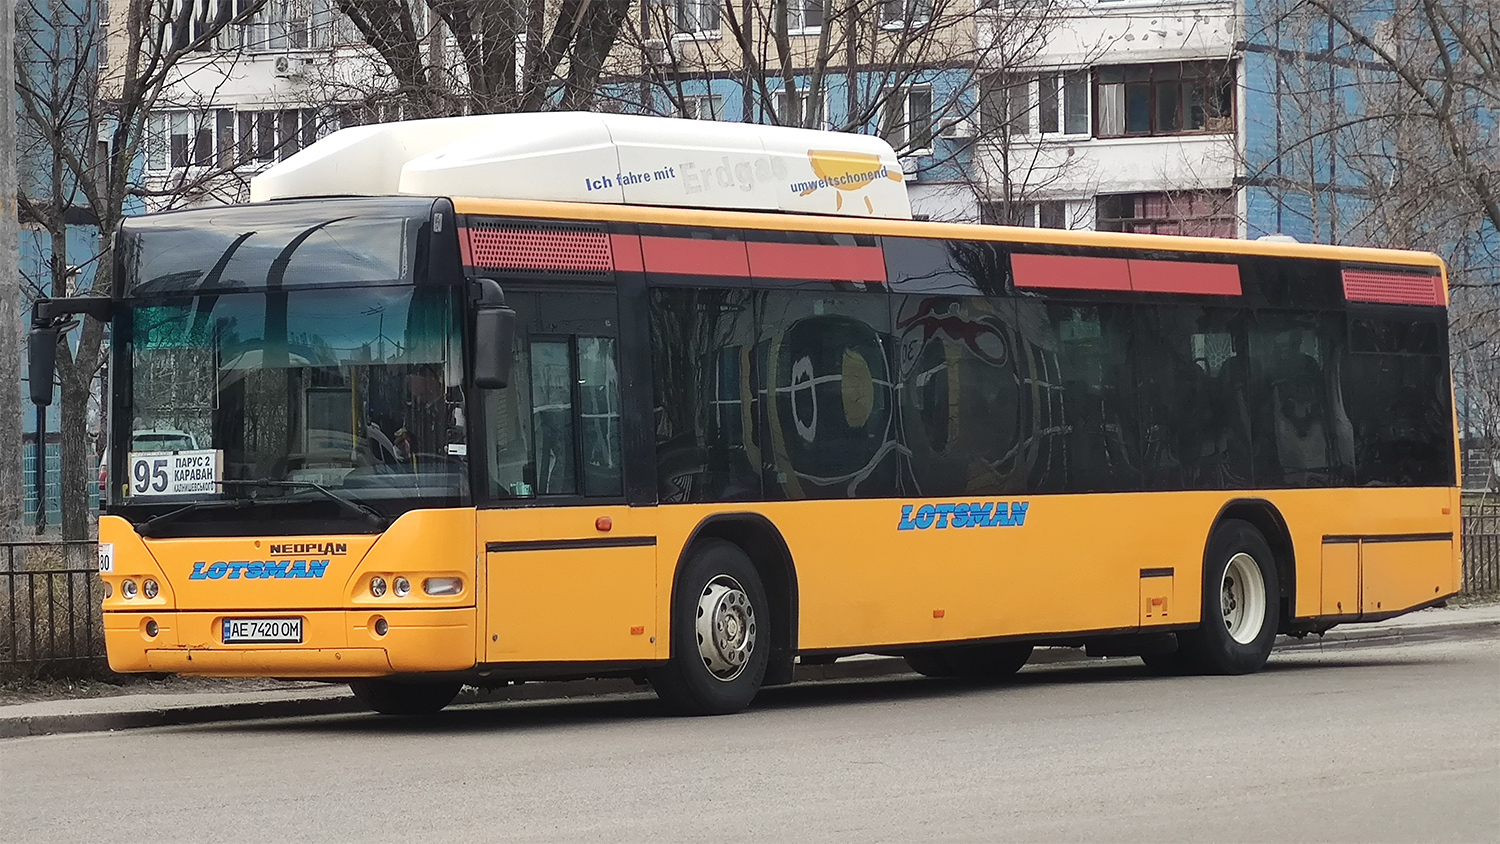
x: 1241, y: 604
x: 720, y: 633
x: 389, y: 697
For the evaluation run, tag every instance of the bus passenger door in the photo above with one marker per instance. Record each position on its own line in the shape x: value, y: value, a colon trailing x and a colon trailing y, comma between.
x: 570, y: 570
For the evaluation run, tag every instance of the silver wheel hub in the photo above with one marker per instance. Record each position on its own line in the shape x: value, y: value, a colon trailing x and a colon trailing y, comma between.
x: 726, y: 628
x: 1243, y: 598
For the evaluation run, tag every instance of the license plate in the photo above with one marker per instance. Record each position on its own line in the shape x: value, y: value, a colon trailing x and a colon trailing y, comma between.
x: 241, y: 630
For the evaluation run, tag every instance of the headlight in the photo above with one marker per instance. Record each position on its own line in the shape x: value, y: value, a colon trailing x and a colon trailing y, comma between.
x: 377, y: 586
x: 127, y: 589
x: 401, y: 586
x: 149, y: 589
x: 439, y: 586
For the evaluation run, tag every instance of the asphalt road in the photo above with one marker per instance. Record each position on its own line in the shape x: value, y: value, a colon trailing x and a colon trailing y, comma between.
x: 1357, y: 744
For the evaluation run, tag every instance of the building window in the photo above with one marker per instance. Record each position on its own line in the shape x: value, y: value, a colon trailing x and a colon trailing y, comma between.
x: 1193, y: 213
x: 1063, y: 102
x: 191, y: 20
x: 1003, y: 104
x: 1048, y: 214
x: 804, y: 16
x: 907, y: 119
x: 179, y: 139
x: 697, y: 17
x: 1164, y: 99
x: 701, y: 107
x: 902, y: 13
x: 1056, y: 102
x: 282, y: 25
x: 801, y: 102
x: 224, y: 138
x: 275, y: 135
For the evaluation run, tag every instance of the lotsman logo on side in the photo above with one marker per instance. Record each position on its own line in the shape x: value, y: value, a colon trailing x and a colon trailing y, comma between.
x: 258, y: 569
x: 978, y: 514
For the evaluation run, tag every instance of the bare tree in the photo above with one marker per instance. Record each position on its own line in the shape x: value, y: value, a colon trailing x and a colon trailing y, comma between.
x: 447, y: 57
x: 10, y: 294
x: 84, y: 102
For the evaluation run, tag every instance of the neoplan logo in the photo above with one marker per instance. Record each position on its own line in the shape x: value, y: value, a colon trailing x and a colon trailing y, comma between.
x: 976, y: 515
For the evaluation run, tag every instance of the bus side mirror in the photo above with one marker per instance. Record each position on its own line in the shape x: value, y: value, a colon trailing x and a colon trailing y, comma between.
x: 494, y: 342
x: 43, y: 354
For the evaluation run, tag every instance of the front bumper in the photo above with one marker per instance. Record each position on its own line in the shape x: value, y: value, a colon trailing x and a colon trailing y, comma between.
x: 335, y: 643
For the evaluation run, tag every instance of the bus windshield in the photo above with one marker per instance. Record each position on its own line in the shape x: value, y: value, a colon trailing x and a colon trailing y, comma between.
x: 355, y: 390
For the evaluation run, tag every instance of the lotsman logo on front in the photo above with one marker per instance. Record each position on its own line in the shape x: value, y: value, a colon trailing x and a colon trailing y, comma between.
x: 258, y: 569
x: 976, y: 515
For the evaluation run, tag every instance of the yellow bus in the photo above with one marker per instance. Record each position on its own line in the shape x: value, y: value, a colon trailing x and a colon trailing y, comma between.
x: 452, y: 439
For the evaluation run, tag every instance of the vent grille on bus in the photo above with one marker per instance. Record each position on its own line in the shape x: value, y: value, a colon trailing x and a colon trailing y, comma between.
x: 1394, y: 288
x: 551, y: 250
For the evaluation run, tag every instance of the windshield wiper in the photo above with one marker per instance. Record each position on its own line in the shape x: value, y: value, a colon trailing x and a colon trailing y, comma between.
x: 149, y: 528
x: 350, y: 506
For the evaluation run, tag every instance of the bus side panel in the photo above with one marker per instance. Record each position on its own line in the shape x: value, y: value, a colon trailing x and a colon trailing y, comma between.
x: 561, y: 589
x: 870, y: 574
x: 1365, y: 517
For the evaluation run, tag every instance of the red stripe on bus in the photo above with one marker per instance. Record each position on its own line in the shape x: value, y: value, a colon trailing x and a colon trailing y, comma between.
x: 687, y: 256
x: 464, y: 249
x: 1184, y: 277
x: 1393, y: 288
x: 817, y: 261
x: 627, y: 250
x: 1069, y: 272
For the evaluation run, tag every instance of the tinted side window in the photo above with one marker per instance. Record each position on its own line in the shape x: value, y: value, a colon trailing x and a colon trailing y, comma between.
x: 1291, y: 283
x: 1194, y: 397
x: 1399, y: 400
x: 945, y: 267
x: 1301, y: 430
x: 701, y: 343
x: 825, y: 377
x: 1083, y: 351
x: 971, y: 408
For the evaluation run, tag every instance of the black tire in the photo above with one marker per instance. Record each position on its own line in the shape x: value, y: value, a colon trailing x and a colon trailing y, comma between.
x: 988, y: 662
x: 930, y: 663
x: 1171, y: 664
x: 982, y: 662
x: 389, y: 697
x: 688, y: 683
x: 1210, y: 648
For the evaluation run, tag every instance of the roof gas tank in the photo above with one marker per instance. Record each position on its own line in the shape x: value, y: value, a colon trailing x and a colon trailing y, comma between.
x: 609, y: 158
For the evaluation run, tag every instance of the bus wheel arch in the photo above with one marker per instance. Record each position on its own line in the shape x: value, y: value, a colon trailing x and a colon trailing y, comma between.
x: 759, y: 539
x: 1264, y: 517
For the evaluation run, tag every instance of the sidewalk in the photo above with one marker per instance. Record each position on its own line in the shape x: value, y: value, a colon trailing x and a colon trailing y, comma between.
x: 300, y: 699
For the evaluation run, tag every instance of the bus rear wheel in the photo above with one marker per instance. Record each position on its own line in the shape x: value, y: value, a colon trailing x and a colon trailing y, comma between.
x: 389, y: 697
x: 1241, y: 604
x: 720, y: 633
x: 988, y: 662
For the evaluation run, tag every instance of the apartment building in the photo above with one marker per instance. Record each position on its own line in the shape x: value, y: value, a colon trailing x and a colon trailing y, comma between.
x: 1129, y: 118
x: 254, y: 94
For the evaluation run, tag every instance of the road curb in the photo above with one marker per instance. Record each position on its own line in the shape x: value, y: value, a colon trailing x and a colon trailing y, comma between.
x: 851, y: 669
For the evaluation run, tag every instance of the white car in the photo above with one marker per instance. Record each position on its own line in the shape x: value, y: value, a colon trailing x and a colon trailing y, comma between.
x: 162, y: 439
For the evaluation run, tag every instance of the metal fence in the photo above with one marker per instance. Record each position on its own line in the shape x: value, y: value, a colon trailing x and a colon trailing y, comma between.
x: 1481, y: 547
x: 50, y: 595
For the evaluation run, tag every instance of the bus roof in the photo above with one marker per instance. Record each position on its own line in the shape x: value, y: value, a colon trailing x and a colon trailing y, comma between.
x: 601, y: 158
